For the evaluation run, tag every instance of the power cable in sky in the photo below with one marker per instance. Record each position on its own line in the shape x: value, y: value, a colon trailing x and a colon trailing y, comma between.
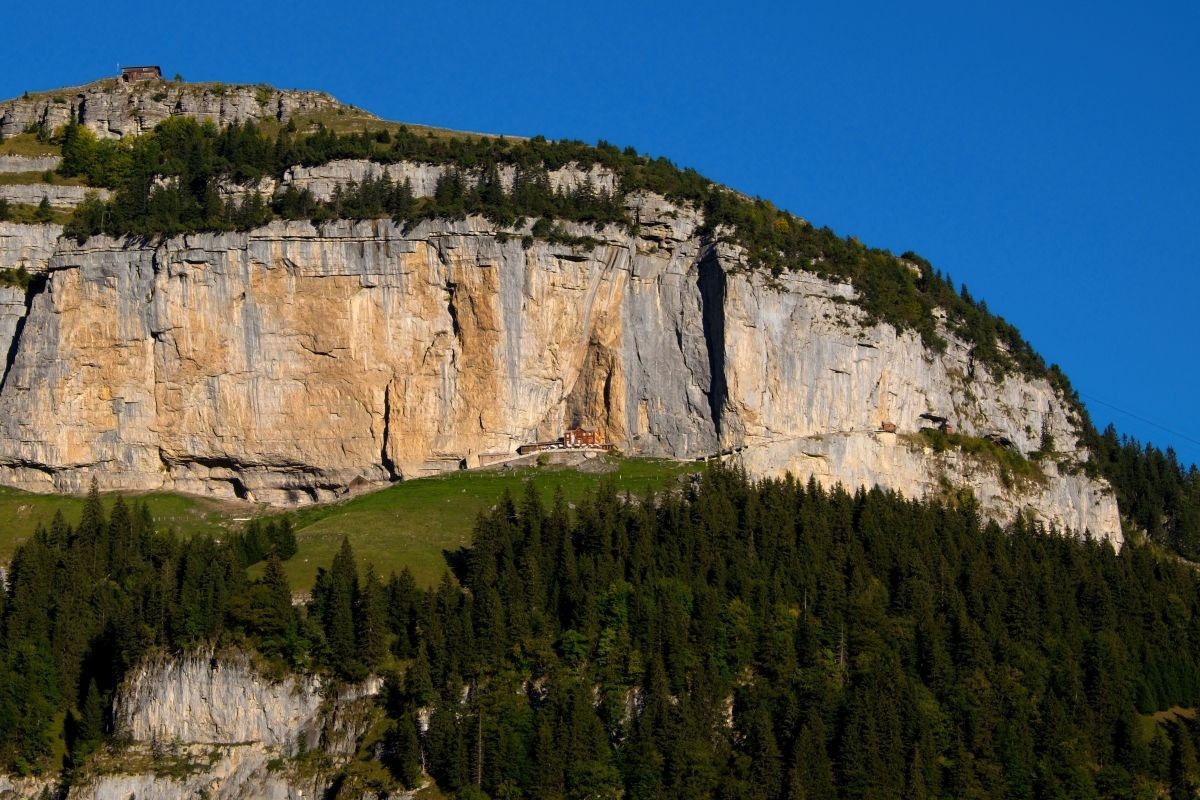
x: 1139, y: 417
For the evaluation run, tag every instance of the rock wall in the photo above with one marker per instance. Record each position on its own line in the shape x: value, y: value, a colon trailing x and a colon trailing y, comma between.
x: 114, y: 108
x: 321, y: 180
x: 28, y: 246
x: 14, y: 788
x: 286, y: 364
x: 204, y: 698
x: 16, y: 164
x: 813, y: 389
x: 63, y: 197
x: 12, y: 312
x: 205, y: 725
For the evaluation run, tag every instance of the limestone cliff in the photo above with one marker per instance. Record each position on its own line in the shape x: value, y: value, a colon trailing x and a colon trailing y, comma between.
x: 210, y: 725
x: 289, y: 363
x: 114, y: 107
x: 28, y: 246
x: 57, y: 195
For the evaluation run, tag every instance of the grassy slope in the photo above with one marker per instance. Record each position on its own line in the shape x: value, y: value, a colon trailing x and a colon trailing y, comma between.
x: 354, y: 120
x: 411, y: 523
x: 406, y: 525
x: 21, y: 512
x: 27, y: 144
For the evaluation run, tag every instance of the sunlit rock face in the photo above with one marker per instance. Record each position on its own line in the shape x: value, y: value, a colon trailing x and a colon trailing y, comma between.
x: 290, y: 363
x: 113, y: 107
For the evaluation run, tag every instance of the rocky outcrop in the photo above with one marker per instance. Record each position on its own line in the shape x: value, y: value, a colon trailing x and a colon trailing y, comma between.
x: 59, y: 196
x: 322, y: 180
x: 213, y: 726
x: 286, y: 364
x: 814, y: 390
x: 12, y: 315
x: 234, y: 772
x: 207, y: 699
x: 114, y: 108
x: 28, y: 246
x: 14, y: 788
x: 18, y: 164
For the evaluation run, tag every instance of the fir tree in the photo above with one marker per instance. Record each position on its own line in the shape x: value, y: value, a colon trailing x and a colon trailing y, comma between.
x: 339, y: 613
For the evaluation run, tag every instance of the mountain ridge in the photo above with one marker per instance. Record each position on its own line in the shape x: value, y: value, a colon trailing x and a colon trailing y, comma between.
x: 490, y: 255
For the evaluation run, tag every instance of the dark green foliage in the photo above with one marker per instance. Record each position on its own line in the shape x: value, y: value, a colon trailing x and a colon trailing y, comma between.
x: 404, y: 751
x: 88, y: 724
x: 371, y: 621
x: 5, y: 212
x: 258, y: 540
x: 263, y: 611
x: 1157, y: 493
x: 334, y: 599
x: 867, y: 646
x: 764, y: 641
x: 84, y: 603
x: 18, y: 277
x: 44, y: 212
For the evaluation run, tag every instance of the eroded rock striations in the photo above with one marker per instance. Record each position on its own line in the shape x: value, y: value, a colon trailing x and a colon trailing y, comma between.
x: 57, y: 195
x: 292, y: 362
x: 28, y: 246
x: 211, y: 725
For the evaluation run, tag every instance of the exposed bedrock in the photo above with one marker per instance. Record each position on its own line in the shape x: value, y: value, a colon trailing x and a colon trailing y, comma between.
x: 113, y: 108
x: 286, y: 364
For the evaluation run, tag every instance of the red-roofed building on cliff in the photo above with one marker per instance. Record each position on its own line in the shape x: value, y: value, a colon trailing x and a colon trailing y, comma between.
x: 141, y: 74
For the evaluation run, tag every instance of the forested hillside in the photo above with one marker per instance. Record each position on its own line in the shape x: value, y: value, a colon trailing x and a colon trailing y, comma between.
x: 1157, y: 493
x: 720, y: 639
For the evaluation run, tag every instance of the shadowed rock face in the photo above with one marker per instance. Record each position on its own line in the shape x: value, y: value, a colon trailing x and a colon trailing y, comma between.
x: 285, y: 364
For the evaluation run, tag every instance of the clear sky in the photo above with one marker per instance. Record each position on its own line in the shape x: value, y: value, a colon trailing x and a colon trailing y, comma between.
x: 1047, y: 154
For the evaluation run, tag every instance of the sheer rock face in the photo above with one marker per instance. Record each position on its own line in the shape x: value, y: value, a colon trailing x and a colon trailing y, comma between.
x: 113, y: 107
x: 289, y: 363
x: 28, y: 246
x: 206, y: 699
x: 237, y: 728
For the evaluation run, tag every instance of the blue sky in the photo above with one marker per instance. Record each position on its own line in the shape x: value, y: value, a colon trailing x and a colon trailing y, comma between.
x: 1047, y: 154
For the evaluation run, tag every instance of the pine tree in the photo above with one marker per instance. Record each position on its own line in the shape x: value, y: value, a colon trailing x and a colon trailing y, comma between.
x: 339, y: 613
x: 811, y: 773
x: 418, y: 682
x: 404, y: 751
x: 371, y: 621
x: 90, y: 726
x: 283, y: 539
x: 915, y: 788
x: 277, y: 617
x: 44, y: 212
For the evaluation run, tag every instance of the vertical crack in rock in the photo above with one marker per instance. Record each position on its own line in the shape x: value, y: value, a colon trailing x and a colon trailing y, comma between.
x: 37, y: 285
x: 455, y: 325
x: 711, y: 283
x: 384, y: 458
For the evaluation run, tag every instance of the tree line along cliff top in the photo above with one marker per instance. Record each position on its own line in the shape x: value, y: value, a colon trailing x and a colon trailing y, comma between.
x: 169, y: 181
